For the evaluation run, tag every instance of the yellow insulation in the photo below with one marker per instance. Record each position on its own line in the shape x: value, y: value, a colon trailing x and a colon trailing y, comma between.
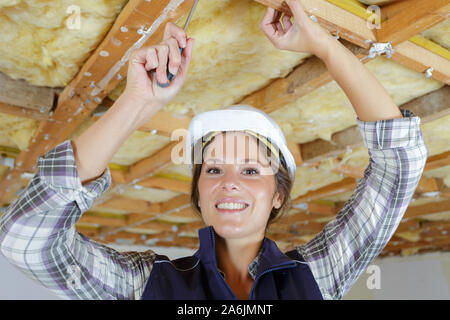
x: 16, y: 131
x: 311, y: 178
x: 41, y: 41
x: 138, y: 146
x: 442, y: 173
x: 437, y: 135
x: 232, y: 57
x: 440, y: 34
x: 328, y: 110
x: 149, y: 194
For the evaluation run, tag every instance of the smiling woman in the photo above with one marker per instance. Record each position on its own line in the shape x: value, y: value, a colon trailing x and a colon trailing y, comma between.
x: 250, y: 165
x: 239, y: 190
x: 243, y: 173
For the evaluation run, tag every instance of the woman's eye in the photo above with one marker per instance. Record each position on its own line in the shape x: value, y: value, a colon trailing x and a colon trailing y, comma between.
x: 251, y: 171
x: 213, y: 170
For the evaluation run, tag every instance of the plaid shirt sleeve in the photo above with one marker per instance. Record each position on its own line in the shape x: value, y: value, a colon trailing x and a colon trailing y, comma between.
x: 37, y: 235
x: 343, y: 250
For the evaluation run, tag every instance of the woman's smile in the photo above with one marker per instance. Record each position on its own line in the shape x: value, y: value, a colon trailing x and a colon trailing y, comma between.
x: 231, y: 205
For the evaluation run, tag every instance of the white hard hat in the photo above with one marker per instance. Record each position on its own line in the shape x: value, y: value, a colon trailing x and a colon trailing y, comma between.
x: 238, y: 118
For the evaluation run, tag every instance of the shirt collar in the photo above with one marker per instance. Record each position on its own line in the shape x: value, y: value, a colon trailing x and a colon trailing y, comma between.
x: 269, y: 256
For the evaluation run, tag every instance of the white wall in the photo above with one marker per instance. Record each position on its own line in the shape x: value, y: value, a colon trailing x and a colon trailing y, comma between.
x: 419, y: 277
x: 416, y: 277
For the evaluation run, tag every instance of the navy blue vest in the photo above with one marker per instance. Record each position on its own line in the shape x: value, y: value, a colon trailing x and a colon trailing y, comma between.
x: 279, y: 276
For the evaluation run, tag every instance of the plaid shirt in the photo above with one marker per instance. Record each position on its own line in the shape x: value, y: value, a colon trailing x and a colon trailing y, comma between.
x: 37, y: 232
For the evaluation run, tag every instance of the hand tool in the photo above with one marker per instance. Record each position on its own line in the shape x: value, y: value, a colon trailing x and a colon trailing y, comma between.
x: 169, y: 75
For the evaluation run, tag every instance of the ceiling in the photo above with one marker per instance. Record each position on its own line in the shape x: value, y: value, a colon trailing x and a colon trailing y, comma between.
x: 232, y: 63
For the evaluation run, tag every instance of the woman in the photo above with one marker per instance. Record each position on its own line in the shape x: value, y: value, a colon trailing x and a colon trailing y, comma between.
x: 237, y: 195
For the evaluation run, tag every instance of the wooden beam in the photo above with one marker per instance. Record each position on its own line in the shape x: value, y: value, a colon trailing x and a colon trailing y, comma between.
x: 410, y: 52
x: 151, y: 164
x: 100, y: 75
x: 433, y: 162
x: 431, y: 106
x: 154, y: 226
x: 438, y: 161
x: 428, y: 107
x: 425, y: 184
x: 340, y: 142
x: 191, y: 226
x: 301, y: 216
x: 408, y: 225
x: 349, y: 171
x: 131, y: 205
x: 144, y: 212
x: 105, y: 221
x: 416, y: 57
x: 442, y: 229
x: 165, y: 123
x: 184, y: 242
x: 21, y: 93
x: 347, y: 184
x: 426, y: 209
x: 307, y: 228
x: 294, y: 148
x: 9, y: 151
x: 332, y: 17
x: 313, y: 74
x: 166, y: 184
x: 178, y: 202
x: 90, y: 232
x: 118, y: 176
x: 23, y: 112
x: 162, y: 123
x: 187, y: 212
x: 304, y: 79
x: 442, y: 241
x: 402, y: 20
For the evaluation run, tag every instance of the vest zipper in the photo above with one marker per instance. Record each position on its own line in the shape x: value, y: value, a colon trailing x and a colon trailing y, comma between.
x: 285, y: 266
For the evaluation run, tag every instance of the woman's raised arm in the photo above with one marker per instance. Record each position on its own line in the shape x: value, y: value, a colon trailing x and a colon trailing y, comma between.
x: 367, y: 96
x: 142, y: 98
x: 37, y: 232
x: 341, y: 252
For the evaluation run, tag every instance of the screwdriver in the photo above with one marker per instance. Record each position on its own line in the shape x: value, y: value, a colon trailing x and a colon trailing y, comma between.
x: 169, y: 75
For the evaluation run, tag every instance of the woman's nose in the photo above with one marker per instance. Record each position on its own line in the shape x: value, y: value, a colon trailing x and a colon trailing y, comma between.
x: 230, y: 180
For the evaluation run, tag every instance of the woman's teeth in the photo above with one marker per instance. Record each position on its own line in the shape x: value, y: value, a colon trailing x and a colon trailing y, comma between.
x: 231, y: 206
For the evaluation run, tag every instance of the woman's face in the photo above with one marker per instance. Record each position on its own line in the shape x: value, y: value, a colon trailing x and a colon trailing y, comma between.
x: 237, y: 189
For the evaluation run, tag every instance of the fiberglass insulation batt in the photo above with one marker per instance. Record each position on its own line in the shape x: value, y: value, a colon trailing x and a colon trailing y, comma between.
x: 41, y: 41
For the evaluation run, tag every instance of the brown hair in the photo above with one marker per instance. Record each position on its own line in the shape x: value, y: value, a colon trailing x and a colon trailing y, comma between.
x: 283, y: 184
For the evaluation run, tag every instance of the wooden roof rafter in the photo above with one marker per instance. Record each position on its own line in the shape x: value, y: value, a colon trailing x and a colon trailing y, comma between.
x: 403, y: 19
x: 408, y: 51
x: 429, y: 107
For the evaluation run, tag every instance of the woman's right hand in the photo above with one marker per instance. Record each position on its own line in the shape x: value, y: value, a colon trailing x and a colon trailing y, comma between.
x: 142, y: 87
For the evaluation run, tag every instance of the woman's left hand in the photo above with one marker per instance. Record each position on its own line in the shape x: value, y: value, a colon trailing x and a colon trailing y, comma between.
x: 300, y: 35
